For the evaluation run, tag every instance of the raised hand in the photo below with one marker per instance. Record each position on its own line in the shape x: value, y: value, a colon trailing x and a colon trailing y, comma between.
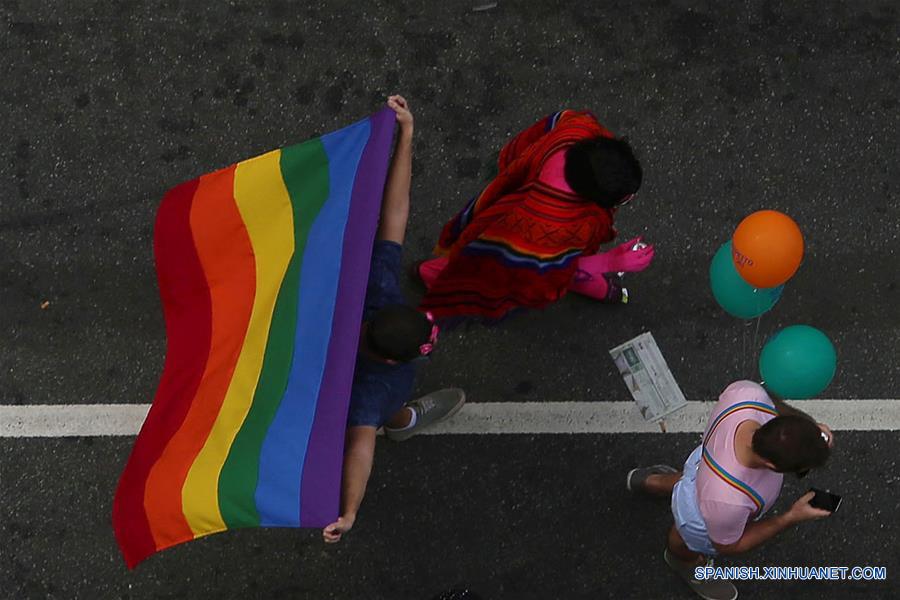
x: 827, y: 434
x: 404, y: 116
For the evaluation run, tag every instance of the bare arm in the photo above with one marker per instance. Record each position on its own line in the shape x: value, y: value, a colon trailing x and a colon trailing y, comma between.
x: 359, y: 452
x: 756, y: 533
x: 759, y: 532
x: 395, y: 205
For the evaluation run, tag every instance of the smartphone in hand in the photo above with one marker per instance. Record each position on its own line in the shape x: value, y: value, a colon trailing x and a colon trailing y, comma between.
x: 825, y: 500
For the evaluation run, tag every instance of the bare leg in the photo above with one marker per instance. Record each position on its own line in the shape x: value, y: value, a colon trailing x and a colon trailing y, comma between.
x: 679, y: 550
x: 661, y: 484
x: 400, y: 419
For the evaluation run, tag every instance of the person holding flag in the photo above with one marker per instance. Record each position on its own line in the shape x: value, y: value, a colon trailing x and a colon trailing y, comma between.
x: 394, y: 337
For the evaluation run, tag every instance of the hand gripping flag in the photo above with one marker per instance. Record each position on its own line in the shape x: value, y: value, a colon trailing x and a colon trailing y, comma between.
x: 262, y: 270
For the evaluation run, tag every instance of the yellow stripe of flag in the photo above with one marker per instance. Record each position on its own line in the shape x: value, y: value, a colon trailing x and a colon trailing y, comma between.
x: 265, y: 206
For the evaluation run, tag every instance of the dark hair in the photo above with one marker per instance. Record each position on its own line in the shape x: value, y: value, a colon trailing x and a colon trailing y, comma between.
x: 603, y: 170
x: 396, y: 331
x: 792, y: 443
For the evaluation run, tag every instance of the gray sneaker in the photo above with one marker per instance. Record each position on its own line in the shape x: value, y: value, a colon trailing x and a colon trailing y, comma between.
x: 430, y: 409
x: 634, y: 481
x: 709, y: 589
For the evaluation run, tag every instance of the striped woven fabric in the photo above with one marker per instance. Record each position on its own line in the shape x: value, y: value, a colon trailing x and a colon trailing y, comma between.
x: 516, y: 244
x: 262, y: 270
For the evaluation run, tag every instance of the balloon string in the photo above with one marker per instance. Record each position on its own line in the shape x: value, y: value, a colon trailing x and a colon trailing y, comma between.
x: 743, y: 359
x: 756, y: 337
x: 745, y: 349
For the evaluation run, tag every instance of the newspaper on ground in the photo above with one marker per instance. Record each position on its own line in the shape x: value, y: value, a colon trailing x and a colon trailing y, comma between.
x: 648, y: 378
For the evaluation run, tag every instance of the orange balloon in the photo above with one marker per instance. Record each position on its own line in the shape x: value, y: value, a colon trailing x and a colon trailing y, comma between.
x: 767, y: 248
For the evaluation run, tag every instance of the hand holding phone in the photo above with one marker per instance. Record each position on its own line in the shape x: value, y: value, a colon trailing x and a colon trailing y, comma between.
x: 825, y: 500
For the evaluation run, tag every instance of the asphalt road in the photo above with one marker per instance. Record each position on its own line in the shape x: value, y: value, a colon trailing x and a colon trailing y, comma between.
x: 732, y: 107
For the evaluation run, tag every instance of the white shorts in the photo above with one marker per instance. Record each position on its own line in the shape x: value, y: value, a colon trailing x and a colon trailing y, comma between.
x: 686, y: 510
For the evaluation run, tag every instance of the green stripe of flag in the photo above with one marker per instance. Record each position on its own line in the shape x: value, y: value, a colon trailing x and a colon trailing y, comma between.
x: 304, y: 168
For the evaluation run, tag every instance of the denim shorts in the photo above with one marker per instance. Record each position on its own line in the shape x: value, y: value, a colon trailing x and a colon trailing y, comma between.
x: 686, y: 510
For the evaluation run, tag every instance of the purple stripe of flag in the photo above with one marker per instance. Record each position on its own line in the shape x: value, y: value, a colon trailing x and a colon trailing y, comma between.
x: 322, y: 468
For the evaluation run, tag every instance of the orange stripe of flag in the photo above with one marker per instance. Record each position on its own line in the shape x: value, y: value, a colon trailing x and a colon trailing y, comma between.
x: 226, y: 256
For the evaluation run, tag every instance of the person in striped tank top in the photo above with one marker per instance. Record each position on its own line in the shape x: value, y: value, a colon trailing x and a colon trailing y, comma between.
x: 732, y: 479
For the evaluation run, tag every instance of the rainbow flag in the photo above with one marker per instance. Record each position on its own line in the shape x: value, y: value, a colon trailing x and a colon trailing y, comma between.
x: 262, y: 270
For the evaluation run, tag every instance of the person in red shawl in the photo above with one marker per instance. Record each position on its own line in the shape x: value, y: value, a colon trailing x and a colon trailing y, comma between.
x: 532, y: 234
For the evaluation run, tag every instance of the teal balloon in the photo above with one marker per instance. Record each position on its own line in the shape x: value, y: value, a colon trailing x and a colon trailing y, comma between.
x: 798, y: 362
x: 736, y: 296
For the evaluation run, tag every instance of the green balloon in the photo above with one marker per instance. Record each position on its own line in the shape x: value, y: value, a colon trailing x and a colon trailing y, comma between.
x: 736, y: 296
x: 798, y: 362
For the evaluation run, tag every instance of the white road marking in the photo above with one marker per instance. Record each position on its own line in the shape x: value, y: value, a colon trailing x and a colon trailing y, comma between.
x: 475, y: 418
